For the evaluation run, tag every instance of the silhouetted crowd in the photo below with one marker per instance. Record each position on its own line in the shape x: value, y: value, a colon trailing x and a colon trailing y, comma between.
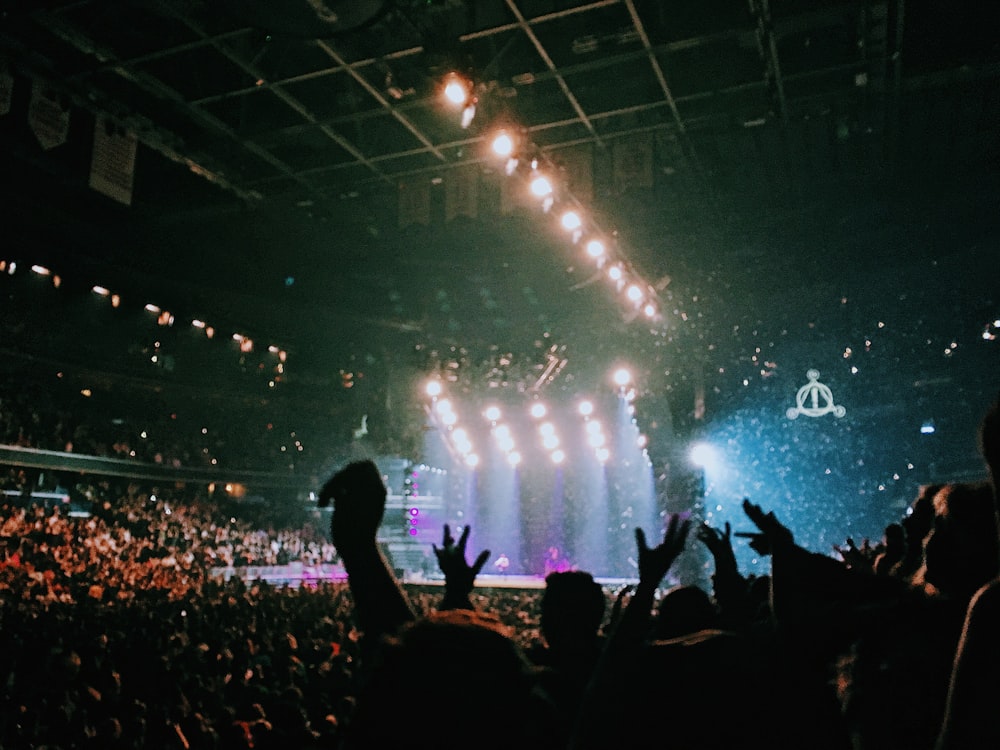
x: 116, y: 636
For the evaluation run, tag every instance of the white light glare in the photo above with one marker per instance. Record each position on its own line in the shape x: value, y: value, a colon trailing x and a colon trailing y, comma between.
x: 103, y: 291
x: 503, y: 144
x: 472, y: 460
x: 586, y: 408
x: 634, y: 293
x: 595, y: 248
x: 492, y: 413
x: 603, y: 454
x: 41, y: 270
x: 541, y: 187
x: 456, y: 90
x: 538, y: 410
x: 571, y: 221
x: 622, y: 377
x: 558, y: 457
x: 433, y: 388
x: 615, y: 273
x: 514, y: 458
x: 547, y: 428
x: 702, y: 454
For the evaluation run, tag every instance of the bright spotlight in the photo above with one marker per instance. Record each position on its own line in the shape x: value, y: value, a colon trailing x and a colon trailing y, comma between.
x: 641, y: 441
x: 550, y: 442
x: 596, y: 439
x: 514, y: 458
x: 615, y: 273
x: 503, y: 144
x: 702, y: 454
x: 634, y: 293
x: 586, y: 408
x: 593, y: 427
x: 492, y: 413
x: 650, y: 310
x: 449, y: 418
x: 443, y: 406
x: 538, y: 410
x: 547, y: 428
x: 622, y: 377
x: 571, y: 221
x: 595, y: 248
x: 603, y: 454
x: 472, y: 460
x: 541, y: 187
x: 459, y: 435
x: 558, y: 457
x: 456, y: 89
x: 434, y: 388
x: 502, y: 432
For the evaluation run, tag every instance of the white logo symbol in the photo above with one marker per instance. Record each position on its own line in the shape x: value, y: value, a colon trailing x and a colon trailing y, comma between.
x: 807, y: 400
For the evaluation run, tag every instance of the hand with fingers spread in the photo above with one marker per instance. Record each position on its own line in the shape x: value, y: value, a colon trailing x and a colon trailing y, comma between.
x: 654, y: 562
x: 719, y: 544
x: 772, y: 536
x: 459, y: 576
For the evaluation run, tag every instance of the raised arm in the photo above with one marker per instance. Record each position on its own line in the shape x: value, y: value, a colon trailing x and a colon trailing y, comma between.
x: 358, y: 495
x: 459, y: 576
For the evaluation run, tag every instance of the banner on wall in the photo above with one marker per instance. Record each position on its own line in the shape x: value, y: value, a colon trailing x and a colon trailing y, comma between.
x: 112, y: 165
x: 6, y: 89
x: 414, y: 201
x: 632, y: 162
x: 461, y: 193
x: 48, y: 115
x: 578, y: 163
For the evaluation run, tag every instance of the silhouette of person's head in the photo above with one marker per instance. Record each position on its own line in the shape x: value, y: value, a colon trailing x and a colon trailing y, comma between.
x: 572, y: 608
x: 683, y: 610
x: 462, y: 667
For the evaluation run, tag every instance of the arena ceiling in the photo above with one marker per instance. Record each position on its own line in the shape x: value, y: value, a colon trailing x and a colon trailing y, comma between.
x: 762, y: 134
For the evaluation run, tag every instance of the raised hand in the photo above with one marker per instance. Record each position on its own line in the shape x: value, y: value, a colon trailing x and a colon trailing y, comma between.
x: 459, y: 576
x: 358, y: 494
x: 772, y: 535
x: 719, y: 544
x: 654, y: 562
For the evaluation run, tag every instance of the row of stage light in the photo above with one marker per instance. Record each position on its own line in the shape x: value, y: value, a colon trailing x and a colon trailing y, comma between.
x: 442, y: 412
x: 163, y: 317
x: 513, y: 149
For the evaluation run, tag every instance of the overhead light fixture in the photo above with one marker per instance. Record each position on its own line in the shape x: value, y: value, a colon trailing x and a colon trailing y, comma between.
x: 456, y: 89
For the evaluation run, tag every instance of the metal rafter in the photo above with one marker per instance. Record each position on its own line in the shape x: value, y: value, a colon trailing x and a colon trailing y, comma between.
x: 657, y: 68
x: 383, y: 102
x: 529, y: 32
x: 768, y: 47
x: 278, y: 91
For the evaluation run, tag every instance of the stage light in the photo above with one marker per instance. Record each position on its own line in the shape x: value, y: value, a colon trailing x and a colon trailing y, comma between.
x: 433, y: 388
x: 622, y: 377
x: 449, y: 418
x: 634, y: 293
x: 150, y: 307
x: 558, y: 457
x: 641, y: 441
x: 41, y: 270
x: 468, y: 114
x: 472, y: 460
x: 571, y: 221
x: 703, y: 455
x: 538, y: 410
x: 492, y: 413
x: 596, y: 440
x: 595, y: 249
x: 443, y: 406
x: 615, y: 273
x: 547, y: 428
x: 541, y: 187
x: 459, y: 435
x: 456, y: 89
x: 197, y: 323
x: 650, y: 310
x: 503, y: 144
x: 550, y: 442
x: 593, y: 427
x: 586, y: 408
x: 603, y: 454
x: 514, y: 458
x: 502, y: 432
x: 103, y: 291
